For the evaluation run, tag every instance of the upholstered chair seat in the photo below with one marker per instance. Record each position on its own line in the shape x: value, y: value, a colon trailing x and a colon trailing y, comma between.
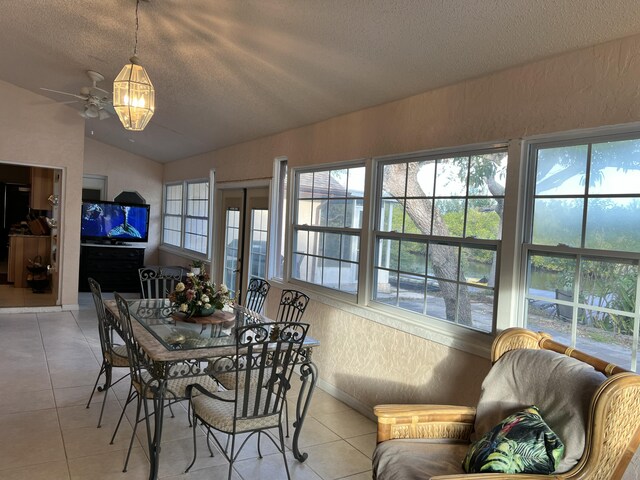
x: 220, y: 415
x: 418, y: 458
x: 118, y: 356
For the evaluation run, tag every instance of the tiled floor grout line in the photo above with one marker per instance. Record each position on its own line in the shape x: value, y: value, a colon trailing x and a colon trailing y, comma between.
x: 53, y: 329
x: 53, y: 393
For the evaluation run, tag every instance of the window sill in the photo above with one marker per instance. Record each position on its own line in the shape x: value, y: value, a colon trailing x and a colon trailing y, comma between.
x: 450, y: 335
x: 188, y: 254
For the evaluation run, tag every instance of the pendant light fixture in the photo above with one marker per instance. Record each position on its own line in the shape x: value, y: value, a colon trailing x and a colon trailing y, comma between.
x: 133, y: 94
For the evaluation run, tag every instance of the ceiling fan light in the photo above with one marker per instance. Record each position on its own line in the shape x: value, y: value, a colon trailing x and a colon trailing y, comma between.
x: 133, y: 96
x: 91, y: 111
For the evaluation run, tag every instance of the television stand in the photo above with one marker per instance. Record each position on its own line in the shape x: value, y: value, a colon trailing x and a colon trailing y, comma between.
x: 114, y: 267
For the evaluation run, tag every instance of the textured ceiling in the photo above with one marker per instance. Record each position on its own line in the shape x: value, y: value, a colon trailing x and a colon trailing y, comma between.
x: 227, y: 71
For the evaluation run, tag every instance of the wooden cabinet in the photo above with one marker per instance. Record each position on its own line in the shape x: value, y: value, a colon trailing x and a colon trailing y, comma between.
x: 41, y: 188
x: 21, y: 249
x: 114, y: 268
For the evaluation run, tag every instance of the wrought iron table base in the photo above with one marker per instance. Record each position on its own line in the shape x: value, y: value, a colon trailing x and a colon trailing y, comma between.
x: 309, y: 377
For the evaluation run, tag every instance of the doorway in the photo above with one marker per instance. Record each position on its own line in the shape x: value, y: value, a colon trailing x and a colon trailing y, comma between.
x: 29, y: 232
x: 243, y: 237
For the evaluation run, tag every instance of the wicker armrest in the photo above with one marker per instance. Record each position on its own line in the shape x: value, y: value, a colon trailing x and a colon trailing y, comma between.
x: 424, y: 421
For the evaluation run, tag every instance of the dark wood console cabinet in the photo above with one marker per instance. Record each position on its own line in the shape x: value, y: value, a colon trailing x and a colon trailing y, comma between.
x: 115, y: 268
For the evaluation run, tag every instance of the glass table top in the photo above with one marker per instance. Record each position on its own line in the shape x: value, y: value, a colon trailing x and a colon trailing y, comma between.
x: 177, y: 332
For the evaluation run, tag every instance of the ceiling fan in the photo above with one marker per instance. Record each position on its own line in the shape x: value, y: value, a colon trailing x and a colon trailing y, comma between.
x: 97, y: 101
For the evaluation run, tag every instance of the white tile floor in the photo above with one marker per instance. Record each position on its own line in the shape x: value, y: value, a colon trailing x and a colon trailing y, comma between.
x: 11, y: 296
x: 48, y: 363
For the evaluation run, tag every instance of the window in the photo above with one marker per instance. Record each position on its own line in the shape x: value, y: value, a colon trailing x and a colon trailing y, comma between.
x: 231, y: 244
x: 172, y: 224
x: 258, y: 253
x: 186, y: 216
x: 197, y: 217
x: 582, y: 246
x: 437, y: 235
x: 326, y: 227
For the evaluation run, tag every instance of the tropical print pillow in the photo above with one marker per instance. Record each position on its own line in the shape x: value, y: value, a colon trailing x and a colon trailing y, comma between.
x: 521, y: 443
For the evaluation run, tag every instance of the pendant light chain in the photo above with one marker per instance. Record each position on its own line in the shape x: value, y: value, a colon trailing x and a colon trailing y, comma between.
x: 135, y: 46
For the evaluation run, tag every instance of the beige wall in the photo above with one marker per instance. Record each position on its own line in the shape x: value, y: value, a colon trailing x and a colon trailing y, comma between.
x: 587, y: 88
x: 37, y: 131
x: 128, y: 172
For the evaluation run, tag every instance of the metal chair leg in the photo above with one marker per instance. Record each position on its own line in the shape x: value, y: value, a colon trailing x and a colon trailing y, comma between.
x: 133, y: 435
x: 107, y: 387
x: 286, y: 415
x: 130, y: 398
x: 195, y: 423
x: 282, y: 449
x: 95, y: 385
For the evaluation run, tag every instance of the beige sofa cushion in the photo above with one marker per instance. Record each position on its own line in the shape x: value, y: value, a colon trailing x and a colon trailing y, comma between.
x: 560, y: 386
x: 404, y: 459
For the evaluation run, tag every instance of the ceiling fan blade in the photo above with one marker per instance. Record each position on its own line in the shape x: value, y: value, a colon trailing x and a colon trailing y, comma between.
x: 102, y: 90
x: 64, y: 93
x: 108, y: 107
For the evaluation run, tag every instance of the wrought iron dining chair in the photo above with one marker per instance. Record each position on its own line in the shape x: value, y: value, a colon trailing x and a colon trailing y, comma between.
x: 257, y: 292
x: 292, y: 306
x: 159, y: 281
x: 113, y: 355
x: 254, y: 301
x: 262, y: 365
x: 143, y: 383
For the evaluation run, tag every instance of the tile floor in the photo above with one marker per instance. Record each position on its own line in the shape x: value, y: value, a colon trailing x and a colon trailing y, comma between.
x: 48, y: 363
x: 11, y: 296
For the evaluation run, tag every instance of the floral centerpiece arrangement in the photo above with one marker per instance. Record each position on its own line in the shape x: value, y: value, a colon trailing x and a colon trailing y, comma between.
x: 199, y: 296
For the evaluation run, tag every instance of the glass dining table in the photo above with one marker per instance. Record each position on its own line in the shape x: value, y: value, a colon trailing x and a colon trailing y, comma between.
x: 177, y: 346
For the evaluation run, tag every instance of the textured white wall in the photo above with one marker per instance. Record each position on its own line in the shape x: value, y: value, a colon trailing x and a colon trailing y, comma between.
x: 37, y: 131
x: 128, y: 172
x: 374, y: 364
x: 587, y: 88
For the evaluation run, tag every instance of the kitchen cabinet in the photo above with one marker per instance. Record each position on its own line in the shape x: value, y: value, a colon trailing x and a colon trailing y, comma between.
x: 22, y: 248
x: 41, y: 188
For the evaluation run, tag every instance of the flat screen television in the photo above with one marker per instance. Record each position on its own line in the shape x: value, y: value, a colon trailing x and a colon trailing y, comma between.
x: 114, y: 222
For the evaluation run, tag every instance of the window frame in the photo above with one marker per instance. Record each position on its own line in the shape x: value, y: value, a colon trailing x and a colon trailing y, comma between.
x: 438, y: 331
x: 292, y: 184
x: 531, y: 148
x: 512, y: 260
x: 172, y: 215
x: 278, y: 221
x: 184, y: 216
x: 376, y: 233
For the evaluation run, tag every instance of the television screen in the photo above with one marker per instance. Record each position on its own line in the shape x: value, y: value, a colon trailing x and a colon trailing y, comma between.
x: 115, y: 222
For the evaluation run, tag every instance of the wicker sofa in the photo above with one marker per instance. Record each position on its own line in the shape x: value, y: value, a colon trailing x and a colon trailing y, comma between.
x: 594, y: 407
